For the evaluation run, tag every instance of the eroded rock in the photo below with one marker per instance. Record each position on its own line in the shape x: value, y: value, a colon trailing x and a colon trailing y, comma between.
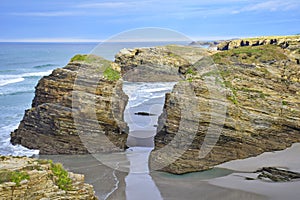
x: 37, y: 179
x: 75, y: 110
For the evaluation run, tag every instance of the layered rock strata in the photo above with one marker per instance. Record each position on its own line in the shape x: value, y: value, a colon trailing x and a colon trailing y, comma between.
x: 27, y: 178
x: 261, y: 111
x: 76, y: 110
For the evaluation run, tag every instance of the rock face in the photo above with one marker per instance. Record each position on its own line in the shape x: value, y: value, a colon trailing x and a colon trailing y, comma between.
x: 75, y: 111
x: 37, y: 179
x: 282, y: 41
x: 261, y: 87
x: 157, y: 64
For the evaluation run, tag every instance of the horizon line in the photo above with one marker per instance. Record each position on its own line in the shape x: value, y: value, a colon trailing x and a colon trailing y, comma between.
x: 79, y: 40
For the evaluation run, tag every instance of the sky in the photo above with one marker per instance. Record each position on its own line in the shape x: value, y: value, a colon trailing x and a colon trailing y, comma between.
x: 95, y: 20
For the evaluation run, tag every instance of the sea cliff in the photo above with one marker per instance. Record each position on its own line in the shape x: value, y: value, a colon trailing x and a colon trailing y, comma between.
x: 56, y: 124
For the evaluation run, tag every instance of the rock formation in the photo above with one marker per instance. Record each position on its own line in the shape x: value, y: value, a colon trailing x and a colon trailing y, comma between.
x: 27, y: 178
x: 157, y: 64
x: 282, y: 41
x: 261, y: 86
x: 57, y: 125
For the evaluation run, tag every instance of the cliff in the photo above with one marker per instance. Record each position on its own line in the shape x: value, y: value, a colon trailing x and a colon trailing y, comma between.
x: 260, y: 111
x: 27, y: 178
x: 282, y: 41
x: 75, y: 110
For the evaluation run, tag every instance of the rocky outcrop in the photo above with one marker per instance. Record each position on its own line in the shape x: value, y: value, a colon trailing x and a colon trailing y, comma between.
x: 77, y: 109
x: 282, y: 41
x: 157, y: 64
x: 276, y: 175
x: 27, y: 178
x: 261, y: 111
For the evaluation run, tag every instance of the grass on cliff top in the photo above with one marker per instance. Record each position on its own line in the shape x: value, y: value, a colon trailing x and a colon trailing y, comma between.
x: 88, y: 58
x: 250, y: 54
x: 62, y: 180
x: 13, y: 176
x: 111, y: 74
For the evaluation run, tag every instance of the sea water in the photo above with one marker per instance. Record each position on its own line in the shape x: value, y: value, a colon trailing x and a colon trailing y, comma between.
x: 21, y: 66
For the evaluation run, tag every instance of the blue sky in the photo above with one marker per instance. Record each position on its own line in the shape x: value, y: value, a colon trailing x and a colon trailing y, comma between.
x: 89, y: 20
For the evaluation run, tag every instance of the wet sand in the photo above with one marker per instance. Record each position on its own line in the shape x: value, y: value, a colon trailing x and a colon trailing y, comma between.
x: 287, y: 159
x: 111, y: 183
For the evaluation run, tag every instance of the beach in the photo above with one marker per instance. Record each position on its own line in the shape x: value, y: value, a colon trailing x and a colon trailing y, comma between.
x: 286, y: 159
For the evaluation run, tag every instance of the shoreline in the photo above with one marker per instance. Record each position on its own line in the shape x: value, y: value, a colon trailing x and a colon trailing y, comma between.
x: 287, y: 159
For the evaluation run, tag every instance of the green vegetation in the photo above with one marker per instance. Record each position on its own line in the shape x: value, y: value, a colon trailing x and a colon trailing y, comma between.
x: 191, y: 71
x: 79, y: 57
x: 13, y: 176
x: 233, y: 99
x: 284, y: 103
x: 249, y: 55
x: 111, y: 74
x: 87, y: 58
x: 62, y: 179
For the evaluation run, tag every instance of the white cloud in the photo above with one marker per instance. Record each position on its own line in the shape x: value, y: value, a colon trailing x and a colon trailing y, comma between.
x: 113, y: 4
x: 102, y: 5
x: 273, y: 5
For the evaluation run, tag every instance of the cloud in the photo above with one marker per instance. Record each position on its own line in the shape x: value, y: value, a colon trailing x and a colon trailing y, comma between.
x: 271, y: 6
x: 113, y: 4
x: 102, y: 5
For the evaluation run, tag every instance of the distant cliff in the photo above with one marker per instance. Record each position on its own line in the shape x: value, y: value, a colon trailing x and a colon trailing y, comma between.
x: 282, y: 41
x: 27, y: 178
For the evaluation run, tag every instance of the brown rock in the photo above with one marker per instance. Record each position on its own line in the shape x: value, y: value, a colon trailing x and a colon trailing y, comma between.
x: 262, y: 111
x: 40, y: 181
x: 75, y: 110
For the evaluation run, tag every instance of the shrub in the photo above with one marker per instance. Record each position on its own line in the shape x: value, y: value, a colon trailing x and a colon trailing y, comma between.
x: 111, y: 74
x: 13, y: 176
x: 63, y: 180
x: 79, y: 57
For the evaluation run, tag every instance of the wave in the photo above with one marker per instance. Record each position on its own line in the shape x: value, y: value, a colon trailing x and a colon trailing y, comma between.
x: 7, y: 70
x: 6, y: 148
x: 17, y: 93
x: 36, y: 74
x: 4, y: 81
x: 10, y: 79
x: 44, y: 66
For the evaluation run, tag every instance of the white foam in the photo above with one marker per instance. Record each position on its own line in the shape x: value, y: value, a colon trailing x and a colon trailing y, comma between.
x: 6, y: 148
x: 10, y: 79
x: 6, y: 81
x: 32, y: 74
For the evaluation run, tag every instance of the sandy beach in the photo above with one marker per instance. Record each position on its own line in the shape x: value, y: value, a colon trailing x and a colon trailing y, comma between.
x: 286, y: 159
x: 227, y: 181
